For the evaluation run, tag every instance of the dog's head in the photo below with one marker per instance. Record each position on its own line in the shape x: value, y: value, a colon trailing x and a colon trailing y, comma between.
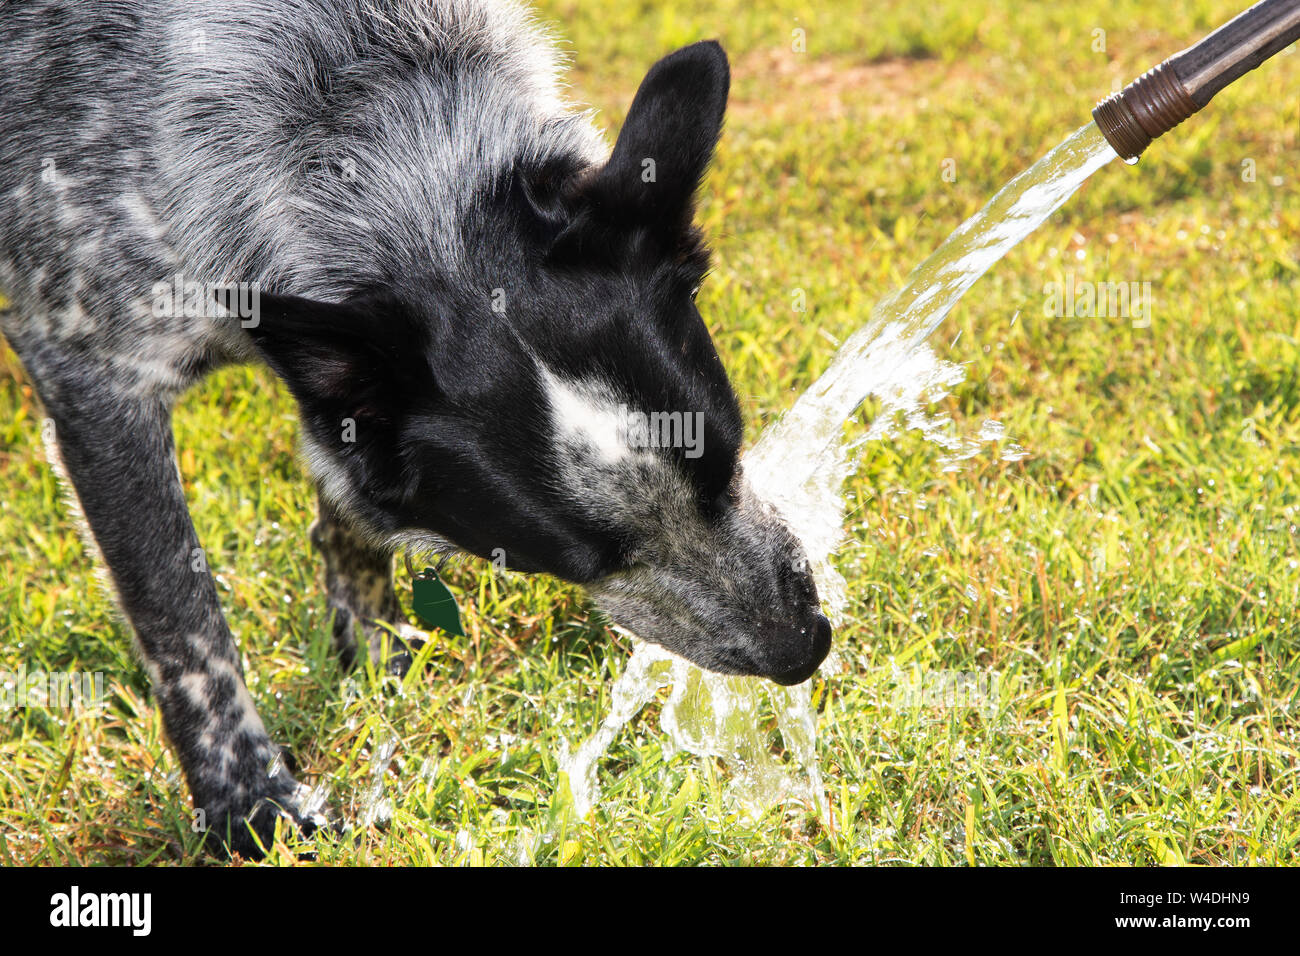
x: 558, y: 405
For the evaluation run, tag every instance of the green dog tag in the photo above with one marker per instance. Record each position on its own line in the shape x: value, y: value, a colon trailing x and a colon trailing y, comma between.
x: 434, y: 604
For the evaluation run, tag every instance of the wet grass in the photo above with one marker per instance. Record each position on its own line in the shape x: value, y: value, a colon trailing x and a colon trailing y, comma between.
x: 1132, y: 586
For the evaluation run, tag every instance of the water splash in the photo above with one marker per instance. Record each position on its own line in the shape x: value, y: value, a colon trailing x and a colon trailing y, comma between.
x: 635, y: 688
x: 800, y: 463
x: 710, y: 715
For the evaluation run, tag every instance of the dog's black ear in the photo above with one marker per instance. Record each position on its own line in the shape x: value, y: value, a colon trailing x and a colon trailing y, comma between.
x: 346, y: 359
x: 667, y: 140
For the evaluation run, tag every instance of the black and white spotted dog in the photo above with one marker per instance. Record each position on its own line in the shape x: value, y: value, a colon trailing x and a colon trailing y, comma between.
x: 462, y: 287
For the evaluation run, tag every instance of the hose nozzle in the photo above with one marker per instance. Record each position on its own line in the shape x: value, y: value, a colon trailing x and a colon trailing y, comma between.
x: 1163, y: 97
x: 1146, y: 109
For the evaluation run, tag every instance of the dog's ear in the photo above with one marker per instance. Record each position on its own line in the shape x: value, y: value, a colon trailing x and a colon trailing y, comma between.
x: 348, y: 359
x: 667, y: 140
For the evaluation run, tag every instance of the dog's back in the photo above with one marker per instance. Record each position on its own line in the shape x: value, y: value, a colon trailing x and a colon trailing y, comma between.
x: 320, y: 146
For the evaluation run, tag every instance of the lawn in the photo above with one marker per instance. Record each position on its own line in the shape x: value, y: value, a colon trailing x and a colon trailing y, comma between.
x: 1133, y: 584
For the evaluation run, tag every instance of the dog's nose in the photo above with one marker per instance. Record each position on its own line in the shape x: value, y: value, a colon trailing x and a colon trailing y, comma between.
x: 804, y: 652
x: 821, y: 638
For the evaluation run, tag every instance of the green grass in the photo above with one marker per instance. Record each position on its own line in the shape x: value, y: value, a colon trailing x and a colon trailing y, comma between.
x: 1134, y: 581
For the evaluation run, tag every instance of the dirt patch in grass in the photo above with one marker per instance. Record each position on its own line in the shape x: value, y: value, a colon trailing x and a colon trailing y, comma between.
x: 775, y: 82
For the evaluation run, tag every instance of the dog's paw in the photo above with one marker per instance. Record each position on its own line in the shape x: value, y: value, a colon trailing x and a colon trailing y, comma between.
x: 401, y: 648
x: 247, y: 828
x: 391, y: 647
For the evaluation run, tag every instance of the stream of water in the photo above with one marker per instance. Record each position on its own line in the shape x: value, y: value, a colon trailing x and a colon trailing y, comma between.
x: 800, y: 463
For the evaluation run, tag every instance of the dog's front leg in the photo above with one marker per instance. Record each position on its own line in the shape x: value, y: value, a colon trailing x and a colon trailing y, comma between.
x: 359, y: 585
x: 118, y: 452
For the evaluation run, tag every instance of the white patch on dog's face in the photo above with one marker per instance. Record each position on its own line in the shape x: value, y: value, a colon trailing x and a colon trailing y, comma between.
x: 585, y: 414
x: 639, y: 491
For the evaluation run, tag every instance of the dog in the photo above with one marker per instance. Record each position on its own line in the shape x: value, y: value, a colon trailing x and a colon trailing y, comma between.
x: 465, y: 290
